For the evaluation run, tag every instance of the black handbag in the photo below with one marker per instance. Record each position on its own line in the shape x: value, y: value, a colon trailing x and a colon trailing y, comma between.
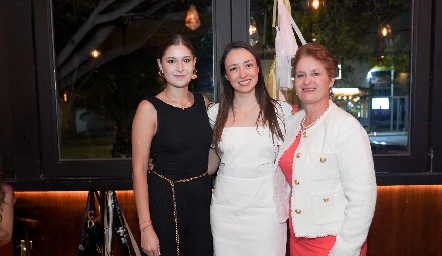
x: 123, y: 233
x: 92, y: 235
x: 101, y: 228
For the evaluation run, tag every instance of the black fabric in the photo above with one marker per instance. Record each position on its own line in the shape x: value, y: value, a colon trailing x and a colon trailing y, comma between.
x: 179, y: 150
x: 180, y: 146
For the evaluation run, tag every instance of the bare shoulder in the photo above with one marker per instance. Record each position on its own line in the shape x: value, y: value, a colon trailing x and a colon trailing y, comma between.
x: 9, y: 197
x: 144, y: 122
x: 145, y: 105
x: 146, y: 112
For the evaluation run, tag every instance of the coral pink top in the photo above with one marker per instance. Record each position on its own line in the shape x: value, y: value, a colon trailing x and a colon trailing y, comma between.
x: 320, y: 246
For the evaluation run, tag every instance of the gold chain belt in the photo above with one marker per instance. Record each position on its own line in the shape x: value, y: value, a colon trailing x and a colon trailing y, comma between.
x: 175, y: 215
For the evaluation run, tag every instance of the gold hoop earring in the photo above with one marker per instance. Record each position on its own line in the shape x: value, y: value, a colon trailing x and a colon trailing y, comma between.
x: 194, y: 75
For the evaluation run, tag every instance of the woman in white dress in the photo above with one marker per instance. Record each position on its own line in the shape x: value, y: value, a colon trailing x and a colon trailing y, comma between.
x: 248, y: 129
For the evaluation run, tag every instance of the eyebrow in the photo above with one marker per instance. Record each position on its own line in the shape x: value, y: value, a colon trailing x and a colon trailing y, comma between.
x: 245, y: 62
x: 172, y: 57
x: 308, y: 71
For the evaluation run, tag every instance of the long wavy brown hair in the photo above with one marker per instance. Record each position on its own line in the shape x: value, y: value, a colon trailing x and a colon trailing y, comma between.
x: 267, y: 114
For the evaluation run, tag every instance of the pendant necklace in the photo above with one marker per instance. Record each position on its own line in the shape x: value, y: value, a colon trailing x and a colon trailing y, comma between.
x: 247, y: 112
x: 176, y: 102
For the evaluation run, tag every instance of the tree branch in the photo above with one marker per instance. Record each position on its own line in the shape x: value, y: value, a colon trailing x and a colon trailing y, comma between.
x: 83, y: 54
x: 118, y: 12
x: 87, y: 26
x: 112, y: 54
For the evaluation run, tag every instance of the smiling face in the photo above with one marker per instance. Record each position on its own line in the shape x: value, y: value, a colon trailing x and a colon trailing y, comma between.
x: 177, y: 65
x: 241, y: 70
x: 312, y: 82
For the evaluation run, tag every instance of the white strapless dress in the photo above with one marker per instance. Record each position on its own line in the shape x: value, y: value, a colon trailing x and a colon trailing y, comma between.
x: 242, y: 213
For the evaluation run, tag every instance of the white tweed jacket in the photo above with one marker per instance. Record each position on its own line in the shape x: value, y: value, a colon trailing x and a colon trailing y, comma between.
x: 333, y: 182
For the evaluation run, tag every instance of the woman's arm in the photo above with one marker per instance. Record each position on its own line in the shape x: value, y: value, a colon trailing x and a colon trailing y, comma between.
x: 206, y: 101
x: 7, y: 212
x: 213, y: 161
x: 358, y: 180
x: 143, y: 130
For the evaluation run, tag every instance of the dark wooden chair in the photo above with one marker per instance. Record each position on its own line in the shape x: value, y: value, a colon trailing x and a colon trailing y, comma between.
x: 22, y: 229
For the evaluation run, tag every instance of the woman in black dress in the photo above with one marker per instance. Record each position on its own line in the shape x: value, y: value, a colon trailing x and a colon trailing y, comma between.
x: 173, y: 200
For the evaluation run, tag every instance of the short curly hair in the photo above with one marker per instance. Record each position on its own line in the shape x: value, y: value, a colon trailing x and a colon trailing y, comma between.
x: 320, y: 53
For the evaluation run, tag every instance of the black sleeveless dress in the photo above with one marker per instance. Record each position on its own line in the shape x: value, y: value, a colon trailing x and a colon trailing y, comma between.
x: 179, y: 151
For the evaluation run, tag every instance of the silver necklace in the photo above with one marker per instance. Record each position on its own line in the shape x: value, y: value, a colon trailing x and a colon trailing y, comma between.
x: 176, y: 102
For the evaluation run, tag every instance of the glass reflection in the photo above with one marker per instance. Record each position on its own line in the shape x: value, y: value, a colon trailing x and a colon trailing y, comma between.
x: 374, y: 49
x: 105, y: 57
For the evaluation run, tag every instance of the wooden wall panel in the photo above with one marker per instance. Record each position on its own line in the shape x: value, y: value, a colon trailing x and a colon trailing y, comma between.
x: 60, y: 216
x: 407, y: 222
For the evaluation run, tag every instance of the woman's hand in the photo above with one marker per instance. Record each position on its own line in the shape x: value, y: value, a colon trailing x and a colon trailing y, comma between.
x: 150, y: 165
x: 150, y: 243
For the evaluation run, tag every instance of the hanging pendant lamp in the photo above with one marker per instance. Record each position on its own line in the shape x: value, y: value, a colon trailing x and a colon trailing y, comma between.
x: 315, y: 4
x: 192, y: 18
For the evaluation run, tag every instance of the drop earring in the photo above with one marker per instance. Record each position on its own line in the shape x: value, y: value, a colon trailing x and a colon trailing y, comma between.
x: 331, y: 93
x: 194, y: 75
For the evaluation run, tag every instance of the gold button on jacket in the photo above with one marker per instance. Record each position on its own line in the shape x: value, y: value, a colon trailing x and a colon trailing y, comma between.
x: 298, y: 211
x: 322, y: 159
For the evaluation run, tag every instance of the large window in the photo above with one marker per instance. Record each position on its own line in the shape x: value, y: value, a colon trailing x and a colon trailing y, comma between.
x: 383, y: 79
x: 64, y: 112
x: 105, y: 63
x: 373, y: 49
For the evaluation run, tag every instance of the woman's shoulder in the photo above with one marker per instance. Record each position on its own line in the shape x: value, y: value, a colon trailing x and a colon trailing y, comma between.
x: 147, y: 104
x: 146, y: 112
x: 212, y: 112
x: 213, y: 108
x: 342, y: 122
x: 8, y: 189
x: 283, y: 106
x: 338, y: 115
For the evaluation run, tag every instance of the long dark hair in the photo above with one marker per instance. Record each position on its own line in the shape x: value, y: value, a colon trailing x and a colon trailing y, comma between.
x: 267, y: 114
x: 176, y: 39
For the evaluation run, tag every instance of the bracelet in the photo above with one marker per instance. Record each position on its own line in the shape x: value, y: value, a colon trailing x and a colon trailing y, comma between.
x: 144, y: 228
x: 145, y: 222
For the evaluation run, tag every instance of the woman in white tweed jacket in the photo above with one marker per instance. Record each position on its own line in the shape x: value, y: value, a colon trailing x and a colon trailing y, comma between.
x: 326, y: 157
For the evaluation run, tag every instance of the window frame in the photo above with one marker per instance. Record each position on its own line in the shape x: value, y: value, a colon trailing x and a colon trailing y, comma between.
x: 29, y: 145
